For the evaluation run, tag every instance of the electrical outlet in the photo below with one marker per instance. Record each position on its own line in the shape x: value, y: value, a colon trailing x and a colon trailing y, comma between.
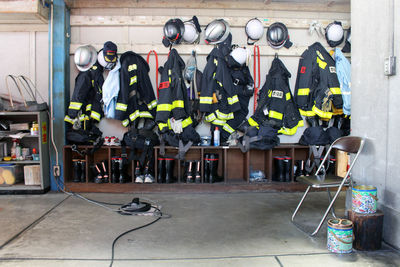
x: 56, y: 170
x: 390, y: 66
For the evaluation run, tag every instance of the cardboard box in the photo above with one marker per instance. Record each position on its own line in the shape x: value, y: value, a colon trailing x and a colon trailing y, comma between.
x: 32, y: 175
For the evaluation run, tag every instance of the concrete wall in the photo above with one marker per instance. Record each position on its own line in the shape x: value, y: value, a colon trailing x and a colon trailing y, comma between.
x: 24, y: 53
x: 375, y: 105
x: 141, y: 38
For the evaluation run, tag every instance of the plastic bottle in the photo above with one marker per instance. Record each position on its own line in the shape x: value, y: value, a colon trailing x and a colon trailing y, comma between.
x: 14, y: 149
x: 18, y: 151
x: 216, y: 136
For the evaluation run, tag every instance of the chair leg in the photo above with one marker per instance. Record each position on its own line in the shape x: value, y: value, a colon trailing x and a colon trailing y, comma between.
x: 301, y: 202
x: 327, y: 210
x: 330, y: 199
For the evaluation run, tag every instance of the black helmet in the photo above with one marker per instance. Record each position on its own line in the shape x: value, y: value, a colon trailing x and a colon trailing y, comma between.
x: 278, y: 36
x: 347, y: 44
x: 173, y: 31
x: 334, y: 33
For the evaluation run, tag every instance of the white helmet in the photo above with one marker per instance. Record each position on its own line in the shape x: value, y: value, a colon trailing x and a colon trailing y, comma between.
x: 217, y: 31
x: 334, y: 33
x: 241, y: 55
x: 85, y: 57
x: 254, y: 30
x: 191, y: 35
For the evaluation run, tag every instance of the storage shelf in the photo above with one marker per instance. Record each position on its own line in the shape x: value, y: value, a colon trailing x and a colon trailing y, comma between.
x: 20, y: 162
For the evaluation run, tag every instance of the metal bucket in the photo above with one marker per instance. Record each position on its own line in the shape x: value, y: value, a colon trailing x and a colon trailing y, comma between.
x: 340, y: 235
x: 364, y: 198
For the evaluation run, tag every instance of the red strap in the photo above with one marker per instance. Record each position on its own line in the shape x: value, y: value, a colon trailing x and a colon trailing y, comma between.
x: 148, y: 57
x: 256, y: 86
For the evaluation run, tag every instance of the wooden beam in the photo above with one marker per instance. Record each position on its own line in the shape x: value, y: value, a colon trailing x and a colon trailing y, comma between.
x: 256, y: 5
x: 298, y: 23
x: 24, y: 27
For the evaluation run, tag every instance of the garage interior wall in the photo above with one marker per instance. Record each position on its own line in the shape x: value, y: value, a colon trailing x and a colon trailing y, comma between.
x: 375, y: 105
x: 141, y: 30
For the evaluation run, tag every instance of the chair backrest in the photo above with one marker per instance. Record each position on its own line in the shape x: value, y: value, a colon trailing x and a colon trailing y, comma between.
x: 349, y: 144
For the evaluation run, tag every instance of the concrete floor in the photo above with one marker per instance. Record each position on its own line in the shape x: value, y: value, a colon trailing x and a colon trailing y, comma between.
x: 236, y: 229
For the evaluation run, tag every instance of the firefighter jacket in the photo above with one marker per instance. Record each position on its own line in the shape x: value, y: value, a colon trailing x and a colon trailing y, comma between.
x: 173, y: 99
x: 136, y: 97
x: 87, y: 95
x: 218, y: 97
x: 317, y: 89
x: 243, y: 84
x: 276, y: 107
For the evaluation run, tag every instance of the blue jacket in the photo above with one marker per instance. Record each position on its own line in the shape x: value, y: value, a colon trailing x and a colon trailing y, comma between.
x: 343, y: 70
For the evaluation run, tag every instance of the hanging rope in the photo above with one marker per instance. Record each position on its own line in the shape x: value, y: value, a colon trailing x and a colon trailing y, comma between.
x: 256, y: 63
x: 156, y: 56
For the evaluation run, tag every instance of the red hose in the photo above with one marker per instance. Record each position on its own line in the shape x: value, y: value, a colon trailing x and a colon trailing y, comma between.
x: 256, y: 61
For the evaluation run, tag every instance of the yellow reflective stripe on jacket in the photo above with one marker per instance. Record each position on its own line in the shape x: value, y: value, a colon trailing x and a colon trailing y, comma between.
x: 291, y: 131
x: 322, y: 114
x: 178, y: 104
x: 206, y: 100
x: 95, y: 115
x: 152, y: 104
x: 288, y: 96
x: 133, y: 80
x: 337, y: 111
x: 186, y: 122
x: 125, y: 122
x: 145, y: 114
x: 335, y: 90
x: 224, y: 116
x: 164, y: 107
x: 321, y: 64
x: 215, y: 62
x: 121, y: 106
x: 228, y: 128
x: 218, y: 122
x: 252, y: 122
x: 275, y: 115
x: 232, y: 100
x: 75, y: 105
x: 308, y: 113
x: 88, y: 107
x: 132, y: 67
x: 210, y: 117
x: 303, y: 91
x: 161, y: 125
x: 83, y: 117
x: 220, y: 84
x: 68, y: 119
x: 134, y: 115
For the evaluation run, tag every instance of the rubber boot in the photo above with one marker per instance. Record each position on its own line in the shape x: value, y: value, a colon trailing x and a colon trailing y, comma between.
x: 114, y: 170
x: 169, y: 170
x: 139, y: 177
x: 299, y: 169
x: 206, y: 163
x: 161, y: 171
x: 99, y: 177
x: 105, y: 171
x: 279, y: 174
x: 189, y: 172
x: 83, y: 171
x: 122, y: 171
x: 287, y: 169
x: 214, y: 158
x: 197, y: 172
x: 77, y: 170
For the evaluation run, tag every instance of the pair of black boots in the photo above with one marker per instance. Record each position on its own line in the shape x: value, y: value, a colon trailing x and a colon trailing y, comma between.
x: 118, y: 171
x: 192, y: 171
x: 283, y: 169
x: 79, y: 166
x: 100, y: 172
x: 211, y: 168
x: 165, y: 170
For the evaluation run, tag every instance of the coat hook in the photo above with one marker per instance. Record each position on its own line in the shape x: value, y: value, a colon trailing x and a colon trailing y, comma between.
x: 276, y: 55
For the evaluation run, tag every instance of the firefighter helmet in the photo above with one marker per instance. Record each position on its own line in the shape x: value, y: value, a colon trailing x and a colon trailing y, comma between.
x: 347, y: 44
x: 240, y: 55
x: 174, y: 30
x: 278, y: 36
x: 216, y: 31
x: 334, y: 33
x: 85, y: 57
x: 254, y: 30
x: 191, y: 35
